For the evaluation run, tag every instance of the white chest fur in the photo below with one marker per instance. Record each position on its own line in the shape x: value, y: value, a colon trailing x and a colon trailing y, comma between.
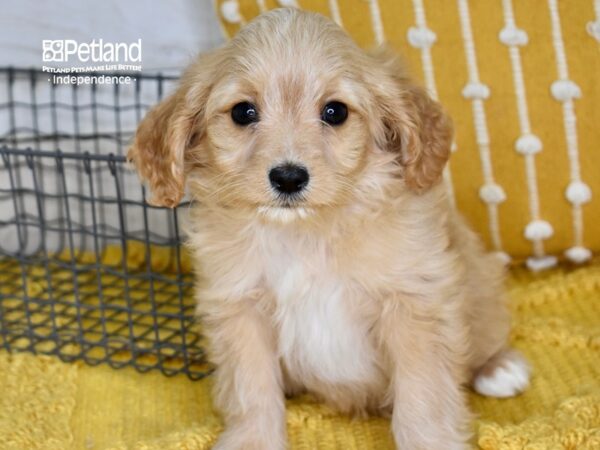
x: 320, y: 334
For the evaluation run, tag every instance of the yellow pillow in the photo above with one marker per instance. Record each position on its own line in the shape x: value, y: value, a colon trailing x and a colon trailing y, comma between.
x: 522, y: 82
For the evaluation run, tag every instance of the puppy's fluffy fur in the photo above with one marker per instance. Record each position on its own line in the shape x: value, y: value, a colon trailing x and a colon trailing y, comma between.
x: 369, y: 291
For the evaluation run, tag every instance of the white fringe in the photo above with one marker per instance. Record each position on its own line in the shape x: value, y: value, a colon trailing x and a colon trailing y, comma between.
x: 565, y: 91
x: 335, y: 12
x: 376, y: 22
x: 230, y: 10
x: 288, y: 3
x: 491, y: 193
x: 262, y: 7
x: 527, y: 144
x: 593, y: 28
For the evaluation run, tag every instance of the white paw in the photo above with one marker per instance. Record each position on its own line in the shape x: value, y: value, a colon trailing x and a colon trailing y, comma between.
x: 503, y: 377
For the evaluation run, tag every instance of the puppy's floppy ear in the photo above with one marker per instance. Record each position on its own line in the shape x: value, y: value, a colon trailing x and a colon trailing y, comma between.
x: 414, y: 125
x: 167, y: 131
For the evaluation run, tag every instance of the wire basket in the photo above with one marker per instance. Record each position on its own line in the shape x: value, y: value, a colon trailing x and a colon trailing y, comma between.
x: 88, y: 269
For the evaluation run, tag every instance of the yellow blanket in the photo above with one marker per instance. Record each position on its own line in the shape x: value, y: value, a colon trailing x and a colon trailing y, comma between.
x: 46, y: 404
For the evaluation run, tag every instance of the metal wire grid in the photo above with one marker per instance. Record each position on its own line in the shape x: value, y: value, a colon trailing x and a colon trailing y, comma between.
x: 88, y: 270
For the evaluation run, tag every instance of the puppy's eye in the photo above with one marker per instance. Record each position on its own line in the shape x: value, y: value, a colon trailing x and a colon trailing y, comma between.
x: 334, y: 113
x: 244, y: 113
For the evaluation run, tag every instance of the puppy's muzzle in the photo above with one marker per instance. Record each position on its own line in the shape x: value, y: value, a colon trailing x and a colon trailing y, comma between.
x: 288, y: 179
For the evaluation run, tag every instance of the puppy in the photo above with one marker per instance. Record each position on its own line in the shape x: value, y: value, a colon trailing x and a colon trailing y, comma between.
x: 328, y: 258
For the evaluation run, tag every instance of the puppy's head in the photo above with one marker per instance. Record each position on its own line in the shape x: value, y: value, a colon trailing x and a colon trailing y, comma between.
x: 287, y: 119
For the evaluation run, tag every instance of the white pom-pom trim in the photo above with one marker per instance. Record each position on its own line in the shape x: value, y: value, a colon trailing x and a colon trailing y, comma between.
x: 578, y: 193
x: 563, y: 90
x: 230, y: 10
x: 288, y: 3
x: 421, y: 37
x: 492, y: 193
x: 528, y: 144
x: 537, y: 264
x: 578, y: 254
x: 476, y: 90
x: 593, y: 28
x: 513, y: 36
x: 538, y: 229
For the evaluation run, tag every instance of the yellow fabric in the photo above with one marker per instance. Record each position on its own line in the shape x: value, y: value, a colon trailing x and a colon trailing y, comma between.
x: 57, y: 302
x: 495, y: 70
x: 37, y: 397
x: 46, y: 404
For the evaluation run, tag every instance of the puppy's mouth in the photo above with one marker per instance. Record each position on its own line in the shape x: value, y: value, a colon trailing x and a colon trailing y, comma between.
x: 285, y: 212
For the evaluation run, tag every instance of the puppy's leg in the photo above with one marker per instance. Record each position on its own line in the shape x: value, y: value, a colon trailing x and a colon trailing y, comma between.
x: 248, y: 387
x: 429, y: 409
x: 498, y: 371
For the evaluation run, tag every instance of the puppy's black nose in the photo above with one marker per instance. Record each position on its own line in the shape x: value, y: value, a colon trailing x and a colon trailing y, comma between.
x: 288, y: 178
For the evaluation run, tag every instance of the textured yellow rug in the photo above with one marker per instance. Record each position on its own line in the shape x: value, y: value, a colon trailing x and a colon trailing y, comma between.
x: 46, y: 404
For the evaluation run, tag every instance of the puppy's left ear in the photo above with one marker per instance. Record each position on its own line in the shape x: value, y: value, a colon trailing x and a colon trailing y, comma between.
x: 414, y: 125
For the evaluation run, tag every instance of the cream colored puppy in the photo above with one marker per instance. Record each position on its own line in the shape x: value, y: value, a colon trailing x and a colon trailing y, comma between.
x: 328, y: 259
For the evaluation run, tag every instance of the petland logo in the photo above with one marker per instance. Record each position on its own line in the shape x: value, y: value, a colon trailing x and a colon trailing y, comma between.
x: 84, y: 63
x: 96, y: 51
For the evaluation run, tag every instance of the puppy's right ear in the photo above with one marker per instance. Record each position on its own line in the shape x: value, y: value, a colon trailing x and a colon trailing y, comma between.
x: 167, y: 131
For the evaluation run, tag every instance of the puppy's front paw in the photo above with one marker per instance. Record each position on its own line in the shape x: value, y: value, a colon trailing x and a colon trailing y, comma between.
x: 504, y: 375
